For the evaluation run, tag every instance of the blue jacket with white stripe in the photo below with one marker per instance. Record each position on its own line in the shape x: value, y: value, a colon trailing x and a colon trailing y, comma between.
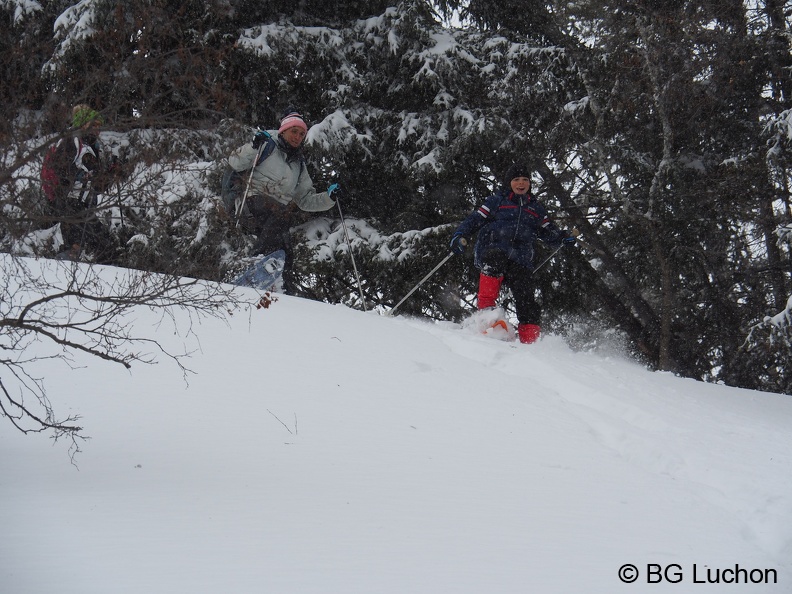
x: 511, y: 223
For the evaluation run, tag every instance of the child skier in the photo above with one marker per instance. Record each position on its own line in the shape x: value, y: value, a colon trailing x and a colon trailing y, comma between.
x: 509, y: 222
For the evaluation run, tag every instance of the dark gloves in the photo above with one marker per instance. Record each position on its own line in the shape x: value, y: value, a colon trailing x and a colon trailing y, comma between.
x: 570, y: 239
x: 458, y: 243
x: 336, y: 192
x: 261, y: 137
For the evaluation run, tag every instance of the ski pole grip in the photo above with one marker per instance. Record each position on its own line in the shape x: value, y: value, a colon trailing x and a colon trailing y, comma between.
x: 458, y: 244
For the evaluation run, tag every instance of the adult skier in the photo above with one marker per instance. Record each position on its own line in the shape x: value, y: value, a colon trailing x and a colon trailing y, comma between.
x: 279, y: 185
x: 508, y: 224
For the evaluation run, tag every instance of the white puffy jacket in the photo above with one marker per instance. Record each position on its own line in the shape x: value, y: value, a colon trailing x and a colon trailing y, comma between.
x: 280, y: 179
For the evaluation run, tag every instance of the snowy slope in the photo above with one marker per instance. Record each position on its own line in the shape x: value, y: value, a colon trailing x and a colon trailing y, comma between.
x: 320, y: 449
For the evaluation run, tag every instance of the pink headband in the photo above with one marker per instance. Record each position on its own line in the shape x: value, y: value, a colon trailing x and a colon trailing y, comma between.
x: 291, y: 120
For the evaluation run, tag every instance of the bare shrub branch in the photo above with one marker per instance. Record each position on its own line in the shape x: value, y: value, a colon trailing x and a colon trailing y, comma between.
x: 53, y: 310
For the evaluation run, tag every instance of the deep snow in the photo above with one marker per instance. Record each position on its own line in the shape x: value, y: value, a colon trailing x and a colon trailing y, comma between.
x: 320, y: 449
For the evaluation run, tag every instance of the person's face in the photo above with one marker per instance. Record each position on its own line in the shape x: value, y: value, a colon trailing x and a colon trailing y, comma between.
x: 92, y: 127
x: 294, y: 136
x: 521, y: 185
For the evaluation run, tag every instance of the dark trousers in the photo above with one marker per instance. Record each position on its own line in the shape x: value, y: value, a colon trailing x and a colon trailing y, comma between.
x: 271, y: 221
x: 83, y: 232
x: 518, y: 279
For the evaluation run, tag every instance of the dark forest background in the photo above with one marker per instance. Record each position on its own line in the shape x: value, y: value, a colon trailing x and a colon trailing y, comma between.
x: 661, y: 130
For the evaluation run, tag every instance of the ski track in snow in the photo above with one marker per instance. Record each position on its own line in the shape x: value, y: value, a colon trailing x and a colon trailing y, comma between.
x: 632, y: 430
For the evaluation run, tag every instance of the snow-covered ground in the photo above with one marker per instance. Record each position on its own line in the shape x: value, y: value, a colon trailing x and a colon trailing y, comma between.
x: 320, y: 449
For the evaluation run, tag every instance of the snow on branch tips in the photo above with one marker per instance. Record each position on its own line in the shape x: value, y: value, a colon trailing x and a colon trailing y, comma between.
x: 22, y: 8
x: 76, y: 23
x: 782, y: 124
x: 335, y: 130
x: 259, y: 39
x: 776, y: 330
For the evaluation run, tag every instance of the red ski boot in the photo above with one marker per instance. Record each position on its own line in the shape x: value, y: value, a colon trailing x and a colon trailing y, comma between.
x: 489, y: 289
x: 528, y: 333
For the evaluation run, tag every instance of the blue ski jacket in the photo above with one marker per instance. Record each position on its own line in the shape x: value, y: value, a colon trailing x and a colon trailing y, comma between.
x: 511, y: 223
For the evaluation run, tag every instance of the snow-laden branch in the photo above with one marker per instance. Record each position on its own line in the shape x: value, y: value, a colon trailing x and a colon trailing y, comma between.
x: 325, y: 237
x: 21, y: 8
x: 74, y: 25
x: 779, y: 325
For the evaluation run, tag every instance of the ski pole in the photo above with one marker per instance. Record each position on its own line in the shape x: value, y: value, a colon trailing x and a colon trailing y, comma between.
x: 424, y: 279
x: 574, y: 233
x: 546, y: 260
x: 240, y: 205
x: 351, y: 255
x: 85, y: 200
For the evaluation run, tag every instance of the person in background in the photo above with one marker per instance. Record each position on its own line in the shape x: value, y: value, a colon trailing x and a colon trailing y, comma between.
x: 72, y: 175
x: 508, y: 224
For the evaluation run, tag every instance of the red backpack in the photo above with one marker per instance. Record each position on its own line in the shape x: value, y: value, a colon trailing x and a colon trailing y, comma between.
x: 49, y: 177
